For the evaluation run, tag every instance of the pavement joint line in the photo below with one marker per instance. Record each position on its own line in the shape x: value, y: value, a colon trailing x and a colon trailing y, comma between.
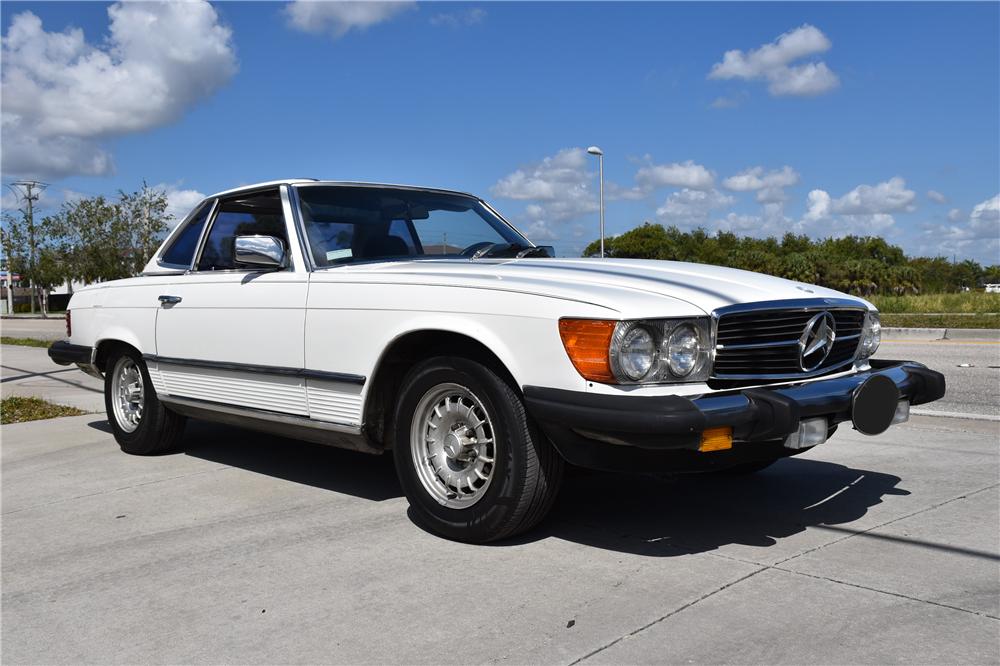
x: 915, y: 542
x: 668, y: 615
x: 878, y: 591
x: 116, y: 490
x: 889, y: 522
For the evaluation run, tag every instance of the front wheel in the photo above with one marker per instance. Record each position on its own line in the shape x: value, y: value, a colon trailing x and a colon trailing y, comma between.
x: 472, y: 462
x: 140, y: 422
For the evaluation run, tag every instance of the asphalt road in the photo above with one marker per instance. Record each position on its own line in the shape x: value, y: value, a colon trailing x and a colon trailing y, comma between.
x: 246, y: 548
x: 974, y: 390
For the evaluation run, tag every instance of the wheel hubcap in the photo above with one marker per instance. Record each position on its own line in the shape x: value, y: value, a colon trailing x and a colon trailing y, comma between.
x: 127, y: 394
x: 451, y: 441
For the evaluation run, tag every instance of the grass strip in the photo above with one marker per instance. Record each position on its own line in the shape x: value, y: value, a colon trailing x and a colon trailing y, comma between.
x: 968, y: 302
x: 26, y: 342
x: 15, y: 409
x: 941, y: 320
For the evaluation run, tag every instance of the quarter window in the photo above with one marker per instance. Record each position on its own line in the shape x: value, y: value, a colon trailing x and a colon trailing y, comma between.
x: 180, y: 254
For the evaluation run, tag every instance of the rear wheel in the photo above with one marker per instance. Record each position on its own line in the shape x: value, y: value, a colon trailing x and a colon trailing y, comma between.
x: 140, y: 422
x: 472, y: 462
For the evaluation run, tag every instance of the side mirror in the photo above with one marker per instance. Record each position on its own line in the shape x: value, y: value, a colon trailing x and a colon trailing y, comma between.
x: 259, y: 251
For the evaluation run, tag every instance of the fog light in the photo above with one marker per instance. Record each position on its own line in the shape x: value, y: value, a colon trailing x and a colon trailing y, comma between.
x: 902, y: 414
x: 811, y: 432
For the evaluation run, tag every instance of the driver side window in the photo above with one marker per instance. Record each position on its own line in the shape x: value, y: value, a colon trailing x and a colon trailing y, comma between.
x: 256, y: 214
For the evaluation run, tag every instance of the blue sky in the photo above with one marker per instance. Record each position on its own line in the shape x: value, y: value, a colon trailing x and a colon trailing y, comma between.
x: 818, y: 118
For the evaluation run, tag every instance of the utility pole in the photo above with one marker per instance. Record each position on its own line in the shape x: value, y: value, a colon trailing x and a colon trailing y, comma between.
x: 10, y: 273
x: 27, y: 195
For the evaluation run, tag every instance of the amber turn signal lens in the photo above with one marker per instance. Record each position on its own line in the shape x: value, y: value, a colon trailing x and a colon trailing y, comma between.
x: 717, y: 439
x: 587, y: 342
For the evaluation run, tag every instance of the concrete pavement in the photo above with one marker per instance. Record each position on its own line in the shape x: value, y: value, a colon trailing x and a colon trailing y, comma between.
x: 29, y: 372
x: 245, y: 548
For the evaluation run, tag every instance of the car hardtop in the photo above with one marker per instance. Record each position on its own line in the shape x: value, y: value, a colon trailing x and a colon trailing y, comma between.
x: 311, y: 182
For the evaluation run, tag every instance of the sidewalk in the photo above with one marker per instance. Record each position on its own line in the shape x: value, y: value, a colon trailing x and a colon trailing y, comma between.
x: 29, y: 372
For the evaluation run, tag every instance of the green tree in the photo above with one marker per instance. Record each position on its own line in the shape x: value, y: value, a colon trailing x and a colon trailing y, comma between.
x: 101, y: 240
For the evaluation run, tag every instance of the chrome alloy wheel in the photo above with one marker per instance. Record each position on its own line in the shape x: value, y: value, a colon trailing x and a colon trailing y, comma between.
x: 127, y: 394
x: 452, y: 444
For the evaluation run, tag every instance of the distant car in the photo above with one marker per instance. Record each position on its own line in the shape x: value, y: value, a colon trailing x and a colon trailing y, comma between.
x: 993, y: 289
x: 417, y: 320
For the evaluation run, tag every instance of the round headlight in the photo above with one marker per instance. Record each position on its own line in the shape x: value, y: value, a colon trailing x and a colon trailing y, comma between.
x: 874, y: 335
x: 637, y: 352
x: 682, y: 350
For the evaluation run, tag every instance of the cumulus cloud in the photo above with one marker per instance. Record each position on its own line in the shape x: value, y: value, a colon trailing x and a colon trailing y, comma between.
x: 689, y: 208
x: 772, y: 221
x: 652, y: 177
x: 337, y: 18
x: 561, y: 186
x: 864, y: 211
x: 179, y: 202
x: 934, y: 195
x: 957, y: 215
x: 887, y: 197
x: 978, y: 239
x: 771, y: 62
x: 63, y: 97
x: 471, y: 17
x: 769, y: 185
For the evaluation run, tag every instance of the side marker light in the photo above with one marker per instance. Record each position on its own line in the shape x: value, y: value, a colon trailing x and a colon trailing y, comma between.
x: 716, y: 439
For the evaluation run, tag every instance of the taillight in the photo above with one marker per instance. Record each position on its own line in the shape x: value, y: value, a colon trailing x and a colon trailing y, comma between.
x: 69, y: 325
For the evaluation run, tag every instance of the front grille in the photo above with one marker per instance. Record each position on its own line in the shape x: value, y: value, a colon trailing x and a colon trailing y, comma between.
x: 764, y: 344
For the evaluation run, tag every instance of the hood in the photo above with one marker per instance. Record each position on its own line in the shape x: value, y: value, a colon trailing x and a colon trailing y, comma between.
x: 631, y: 287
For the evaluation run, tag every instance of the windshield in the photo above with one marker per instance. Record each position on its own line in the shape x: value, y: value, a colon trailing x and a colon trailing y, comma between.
x: 353, y: 224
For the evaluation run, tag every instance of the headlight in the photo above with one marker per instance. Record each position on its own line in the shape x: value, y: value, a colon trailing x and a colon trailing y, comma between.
x: 683, y: 347
x: 639, y: 352
x: 873, y: 335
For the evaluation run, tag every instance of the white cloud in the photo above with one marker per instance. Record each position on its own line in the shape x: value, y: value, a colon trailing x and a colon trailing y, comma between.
x: 887, y: 197
x: 689, y: 208
x: 337, y: 18
x: 561, y: 186
x: 771, y: 222
x: 769, y: 185
x: 863, y: 211
x: 471, y: 17
x: 957, y: 215
x: 179, y: 202
x: 651, y: 177
x: 934, y: 195
x: 979, y: 239
x: 62, y: 96
x: 734, y: 102
x: 771, y: 63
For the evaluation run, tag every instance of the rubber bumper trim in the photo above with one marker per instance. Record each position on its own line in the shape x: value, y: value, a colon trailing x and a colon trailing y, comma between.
x: 760, y: 414
x: 64, y: 353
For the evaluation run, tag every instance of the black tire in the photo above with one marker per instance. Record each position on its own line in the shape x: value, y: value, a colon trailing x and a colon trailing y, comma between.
x: 484, y: 427
x: 142, y: 425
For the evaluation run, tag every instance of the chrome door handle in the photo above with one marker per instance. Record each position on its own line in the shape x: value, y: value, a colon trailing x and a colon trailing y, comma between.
x: 170, y: 300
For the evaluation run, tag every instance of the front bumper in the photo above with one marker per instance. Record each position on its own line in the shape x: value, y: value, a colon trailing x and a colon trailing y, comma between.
x: 599, y: 430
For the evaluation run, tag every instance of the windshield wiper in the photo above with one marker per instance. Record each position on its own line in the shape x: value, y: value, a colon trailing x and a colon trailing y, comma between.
x: 480, y: 252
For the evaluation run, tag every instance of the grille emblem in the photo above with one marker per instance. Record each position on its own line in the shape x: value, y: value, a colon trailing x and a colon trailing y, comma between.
x: 816, y: 341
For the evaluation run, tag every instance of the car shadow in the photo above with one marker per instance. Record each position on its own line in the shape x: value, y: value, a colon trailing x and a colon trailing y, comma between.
x: 360, y: 475
x: 693, y: 513
x: 659, y: 516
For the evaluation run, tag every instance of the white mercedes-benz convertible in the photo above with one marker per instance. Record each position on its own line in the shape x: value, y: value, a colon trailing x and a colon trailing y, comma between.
x: 417, y: 320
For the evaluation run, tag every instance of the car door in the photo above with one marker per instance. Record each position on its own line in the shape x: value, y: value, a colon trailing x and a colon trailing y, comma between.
x: 232, y: 335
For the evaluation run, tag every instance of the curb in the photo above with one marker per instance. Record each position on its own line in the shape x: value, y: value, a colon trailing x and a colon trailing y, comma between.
x: 941, y: 334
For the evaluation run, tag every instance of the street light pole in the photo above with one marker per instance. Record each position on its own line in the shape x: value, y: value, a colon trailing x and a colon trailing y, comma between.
x: 594, y: 150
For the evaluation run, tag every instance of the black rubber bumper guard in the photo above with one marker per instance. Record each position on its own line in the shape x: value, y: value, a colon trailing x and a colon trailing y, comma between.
x: 659, y: 423
x: 64, y: 353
